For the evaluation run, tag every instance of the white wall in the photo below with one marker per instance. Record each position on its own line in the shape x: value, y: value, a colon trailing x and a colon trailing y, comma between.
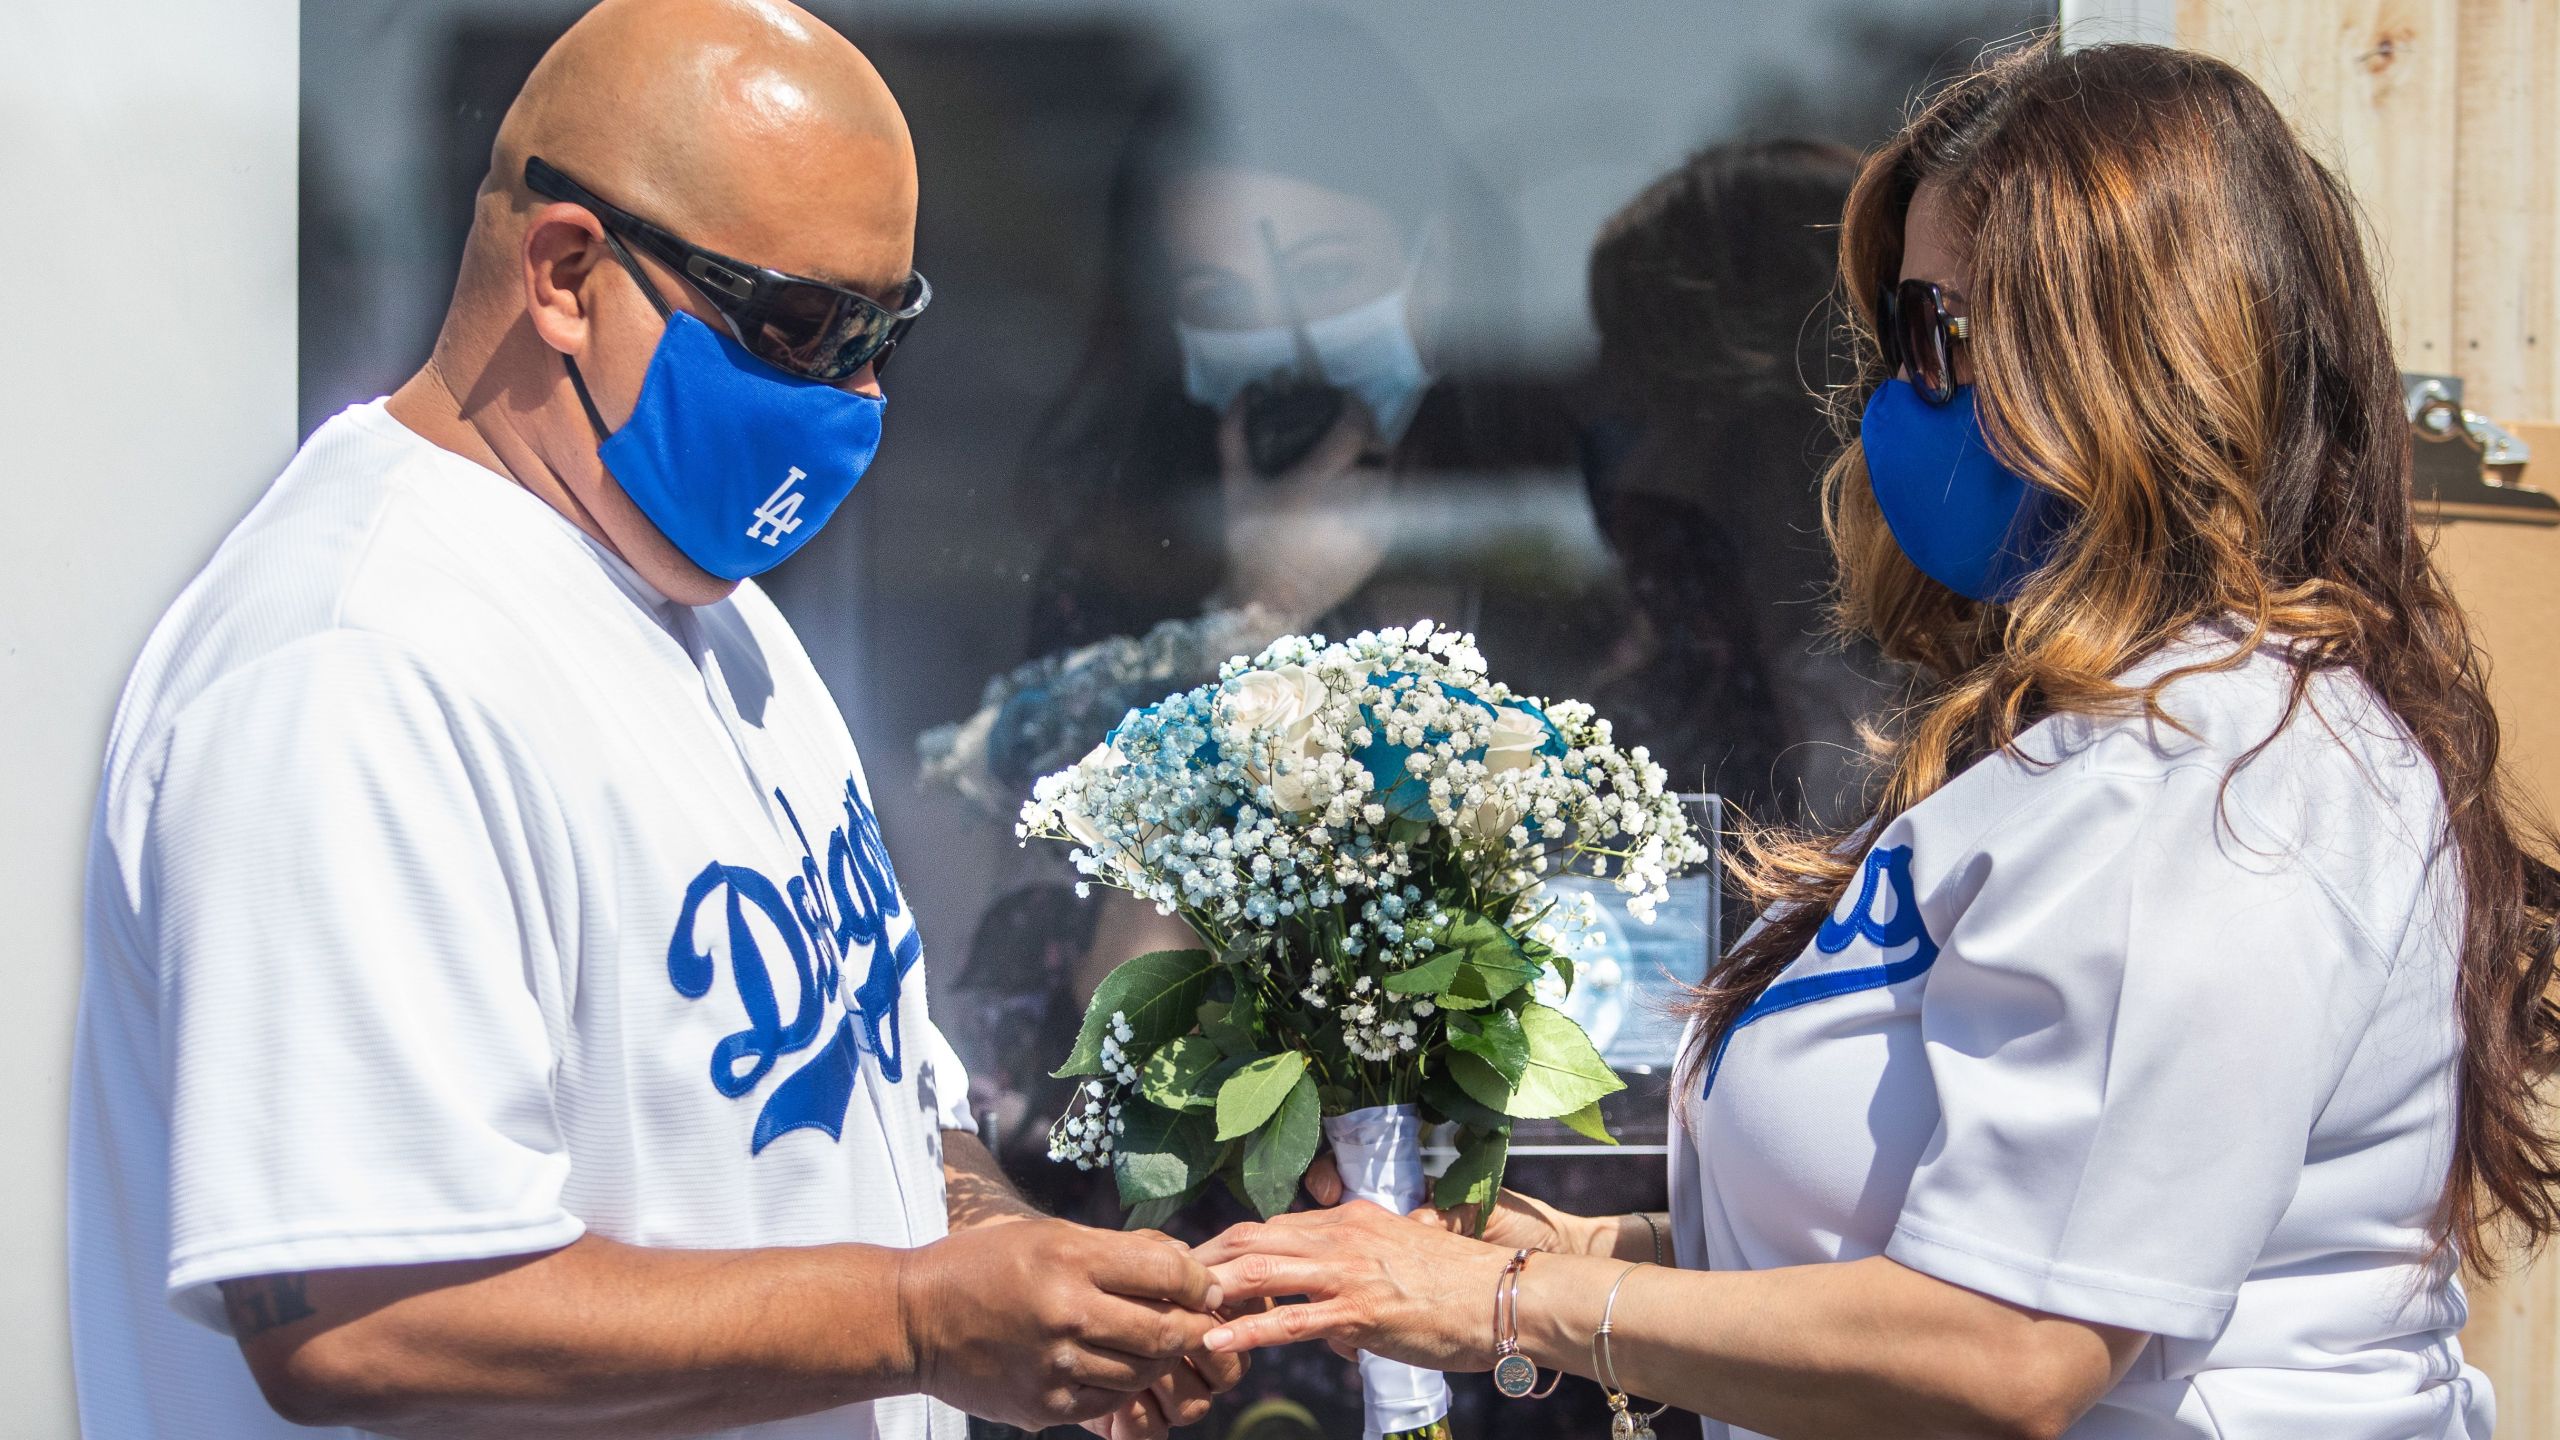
x: 147, y: 201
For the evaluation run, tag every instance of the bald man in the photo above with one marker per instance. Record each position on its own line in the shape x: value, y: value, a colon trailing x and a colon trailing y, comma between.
x: 501, y: 1015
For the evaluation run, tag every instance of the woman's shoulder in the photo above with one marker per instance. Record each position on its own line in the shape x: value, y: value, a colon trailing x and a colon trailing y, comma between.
x: 2292, y: 768
x: 2218, y: 702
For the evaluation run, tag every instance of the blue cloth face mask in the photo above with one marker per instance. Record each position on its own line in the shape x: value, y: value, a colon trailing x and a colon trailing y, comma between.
x: 1367, y: 350
x: 1969, y: 522
x: 735, y: 462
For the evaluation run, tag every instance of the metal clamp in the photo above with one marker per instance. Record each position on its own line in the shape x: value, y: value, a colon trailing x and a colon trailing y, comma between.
x: 2464, y: 464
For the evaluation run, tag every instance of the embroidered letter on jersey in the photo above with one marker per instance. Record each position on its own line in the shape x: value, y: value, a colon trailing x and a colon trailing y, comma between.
x: 825, y: 916
x: 1886, y: 876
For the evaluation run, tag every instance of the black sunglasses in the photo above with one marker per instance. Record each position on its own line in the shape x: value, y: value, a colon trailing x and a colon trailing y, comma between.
x: 805, y: 327
x: 1918, y: 334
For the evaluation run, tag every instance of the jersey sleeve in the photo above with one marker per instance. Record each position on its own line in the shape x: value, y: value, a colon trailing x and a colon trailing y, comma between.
x: 2131, y: 1026
x: 344, y: 871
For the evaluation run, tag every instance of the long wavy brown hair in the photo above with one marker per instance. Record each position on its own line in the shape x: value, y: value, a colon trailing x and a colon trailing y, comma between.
x: 2176, y: 330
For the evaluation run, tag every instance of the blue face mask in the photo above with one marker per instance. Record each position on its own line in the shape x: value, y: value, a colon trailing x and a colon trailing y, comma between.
x: 1969, y: 522
x: 1367, y: 350
x: 736, y: 463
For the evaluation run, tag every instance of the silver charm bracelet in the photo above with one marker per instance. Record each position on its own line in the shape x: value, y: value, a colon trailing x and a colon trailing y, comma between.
x: 1515, y: 1375
x: 1624, y: 1424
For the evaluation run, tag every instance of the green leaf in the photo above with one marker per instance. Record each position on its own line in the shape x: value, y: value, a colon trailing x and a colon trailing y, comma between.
x: 1441, y: 1092
x: 1478, y: 934
x: 1232, y: 1177
x: 1482, y: 1083
x: 1495, y: 1038
x: 1555, y: 1042
x: 1252, y: 1094
x: 1475, y: 1177
x: 1549, y: 956
x: 1481, y: 982
x: 1160, y: 1155
x: 1159, y: 993
x: 1587, y: 1121
x: 1156, y: 1214
x: 1246, y: 1013
x: 1564, y: 1073
x: 1494, y: 964
x: 1430, y: 977
x: 1277, y: 1156
x: 1229, y: 1037
x: 1176, y: 1076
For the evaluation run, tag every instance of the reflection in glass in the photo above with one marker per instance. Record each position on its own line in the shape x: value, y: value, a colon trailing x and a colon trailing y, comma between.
x: 1286, y: 335
x: 1703, y: 455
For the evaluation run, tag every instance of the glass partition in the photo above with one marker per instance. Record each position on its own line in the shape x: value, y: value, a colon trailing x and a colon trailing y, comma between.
x: 1249, y: 320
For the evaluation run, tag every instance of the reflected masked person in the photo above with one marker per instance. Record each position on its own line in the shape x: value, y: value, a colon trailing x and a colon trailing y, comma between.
x: 1291, y: 415
x: 1291, y: 411
x: 1311, y: 309
x: 1703, y: 454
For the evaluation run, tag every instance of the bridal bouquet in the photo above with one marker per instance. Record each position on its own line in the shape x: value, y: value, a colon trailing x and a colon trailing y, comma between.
x: 1361, y: 834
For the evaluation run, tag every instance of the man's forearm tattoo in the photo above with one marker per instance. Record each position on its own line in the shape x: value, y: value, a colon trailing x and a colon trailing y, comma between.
x: 264, y: 1303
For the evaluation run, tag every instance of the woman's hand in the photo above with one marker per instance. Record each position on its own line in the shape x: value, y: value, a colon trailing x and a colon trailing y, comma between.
x: 1373, y: 1281
x: 1518, y: 1222
x: 1301, y: 542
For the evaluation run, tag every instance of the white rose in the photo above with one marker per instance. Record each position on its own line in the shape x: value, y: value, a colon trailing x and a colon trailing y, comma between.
x: 1514, y: 740
x: 958, y: 757
x: 1285, y: 700
x: 1101, y: 760
x: 1511, y: 746
x: 1489, y: 821
x: 1268, y: 719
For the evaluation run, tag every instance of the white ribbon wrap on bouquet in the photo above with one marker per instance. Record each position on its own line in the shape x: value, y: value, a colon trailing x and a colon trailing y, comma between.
x: 1379, y: 1151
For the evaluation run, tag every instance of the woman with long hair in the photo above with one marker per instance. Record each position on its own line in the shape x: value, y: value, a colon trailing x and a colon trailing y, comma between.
x: 2152, y: 1055
x: 1703, y: 457
x: 1306, y: 332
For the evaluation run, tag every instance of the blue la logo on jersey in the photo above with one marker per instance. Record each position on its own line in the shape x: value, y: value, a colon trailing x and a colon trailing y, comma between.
x: 824, y: 915
x: 1886, y: 914
x: 1887, y: 873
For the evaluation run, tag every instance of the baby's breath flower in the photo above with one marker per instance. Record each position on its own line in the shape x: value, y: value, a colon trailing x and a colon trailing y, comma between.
x: 1308, y: 790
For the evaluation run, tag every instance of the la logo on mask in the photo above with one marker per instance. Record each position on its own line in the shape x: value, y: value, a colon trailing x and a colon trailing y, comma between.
x: 712, y: 423
x: 781, y: 509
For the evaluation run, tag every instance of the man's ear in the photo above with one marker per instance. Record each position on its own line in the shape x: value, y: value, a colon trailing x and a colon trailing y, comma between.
x: 562, y: 247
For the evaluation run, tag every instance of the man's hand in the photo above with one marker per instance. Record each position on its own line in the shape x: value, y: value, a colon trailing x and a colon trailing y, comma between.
x: 1042, y: 1322
x: 981, y: 1195
x: 1184, y: 1396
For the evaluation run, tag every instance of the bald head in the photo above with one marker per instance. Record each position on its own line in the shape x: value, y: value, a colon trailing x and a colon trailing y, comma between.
x: 747, y: 127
